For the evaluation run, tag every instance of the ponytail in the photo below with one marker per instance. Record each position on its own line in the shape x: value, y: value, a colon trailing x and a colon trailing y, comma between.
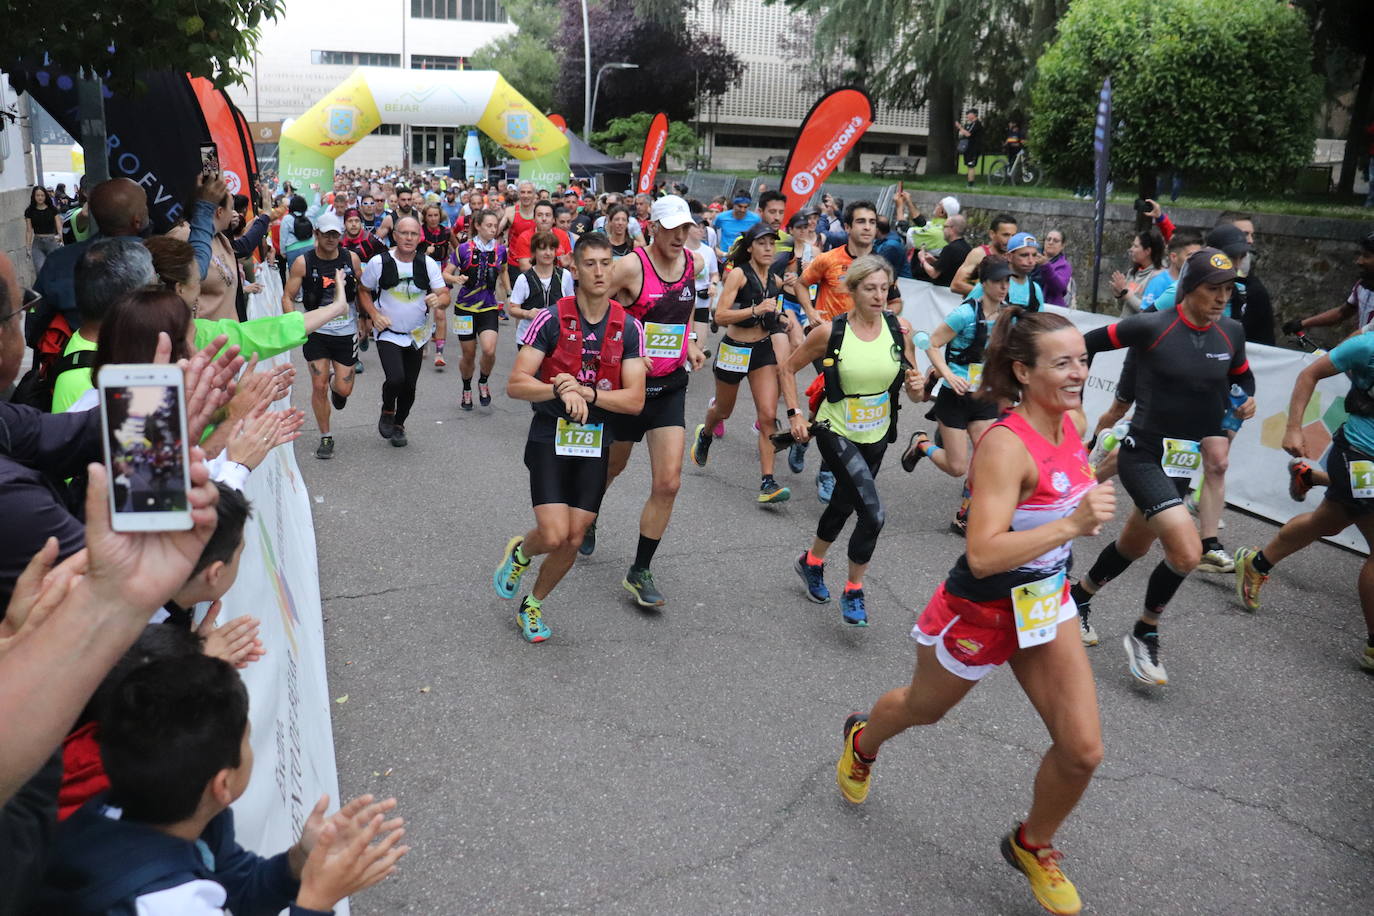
x: 1014, y: 341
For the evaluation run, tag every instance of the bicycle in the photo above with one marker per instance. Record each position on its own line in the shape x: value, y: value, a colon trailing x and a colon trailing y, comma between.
x: 1019, y: 171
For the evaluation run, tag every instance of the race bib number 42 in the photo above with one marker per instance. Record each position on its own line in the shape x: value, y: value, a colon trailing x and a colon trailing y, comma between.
x: 975, y: 375
x: 1036, y: 606
x: 863, y: 414
x: 733, y: 359
x: 577, y: 440
x: 1182, y: 458
x: 1362, y: 479
x: 664, y: 341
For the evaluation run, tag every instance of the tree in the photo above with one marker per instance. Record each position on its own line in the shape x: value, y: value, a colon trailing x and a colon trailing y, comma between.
x: 526, y: 57
x: 624, y: 137
x: 1223, y: 92
x: 1343, y: 39
x: 677, y: 64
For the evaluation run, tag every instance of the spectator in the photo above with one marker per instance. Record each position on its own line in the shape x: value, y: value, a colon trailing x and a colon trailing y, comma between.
x: 923, y: 233
x: 890, y: 247
x: 1147, y: 261
x: 1054, y: 273
x: 1250, y: 303
x: 42, y: 227
x: 1015, y: 142
x: 969, y: 142
x: 942, y: 270
x: 830, y: 213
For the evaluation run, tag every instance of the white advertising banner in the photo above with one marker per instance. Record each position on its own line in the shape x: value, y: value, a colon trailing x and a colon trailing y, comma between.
x: 1257, y: 480
x: 293, y: 742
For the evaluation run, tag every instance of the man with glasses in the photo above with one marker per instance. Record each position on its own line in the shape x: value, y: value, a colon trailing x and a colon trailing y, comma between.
x: 374, y: 220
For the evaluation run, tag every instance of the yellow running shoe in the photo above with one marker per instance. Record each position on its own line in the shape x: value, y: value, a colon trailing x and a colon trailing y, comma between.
x: 1051, y: 888
x: 851, y: 773
x: 1249, y: 580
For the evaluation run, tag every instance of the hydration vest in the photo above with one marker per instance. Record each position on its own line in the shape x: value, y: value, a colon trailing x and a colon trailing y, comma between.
x: 319, y: 273
x: 538, y: 297
x: 391, y: 275
x: 567, y: 356
x: 973, y: 353
x: 830, y: 367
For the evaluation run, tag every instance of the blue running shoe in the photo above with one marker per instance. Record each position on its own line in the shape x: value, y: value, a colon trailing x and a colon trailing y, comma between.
x: 506, y: 581
x: 825, y: 485
x: 530, y: 620
x: 813, y: 574
x: 796, y: 457
x: 852, y: 608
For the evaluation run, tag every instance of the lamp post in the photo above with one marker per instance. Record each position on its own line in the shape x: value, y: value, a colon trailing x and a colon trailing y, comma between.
x: 586, y: 74
x: 596, y: 90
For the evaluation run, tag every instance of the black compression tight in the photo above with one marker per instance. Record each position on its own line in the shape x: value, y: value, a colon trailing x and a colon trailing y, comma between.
x: 855, y: 466
x: 402, y: 368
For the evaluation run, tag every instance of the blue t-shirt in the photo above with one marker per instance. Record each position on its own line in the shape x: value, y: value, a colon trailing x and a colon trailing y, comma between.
x: 963, y: 321
x: 451, y: 211
x: 1158, y: 285
x: 731, y: 228
x: 1018, y: 292
x: 1355, y: 357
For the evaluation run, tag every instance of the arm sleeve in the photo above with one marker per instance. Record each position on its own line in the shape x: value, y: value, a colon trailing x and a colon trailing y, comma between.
x: 1166, y: 226
x: 634, y: 336
x: 248, y: 243
x: 262, y: 337
x: 1128, y: 332
x: 202, y: 230
x: 543, y: 333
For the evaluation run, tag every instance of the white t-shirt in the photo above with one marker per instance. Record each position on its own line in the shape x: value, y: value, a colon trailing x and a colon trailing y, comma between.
x: 1363, y: 300
x: 404, y: 303
x: 710, y: 265
x: 521, y: 291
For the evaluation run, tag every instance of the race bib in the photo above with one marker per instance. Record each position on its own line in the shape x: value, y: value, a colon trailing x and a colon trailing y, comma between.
x: 424, y: 332
x: 339, y: 325
x: 1362, y: 479
x: 577, y: 440
x: 463, y: 324
x: 1036, y: 607
x: 733, y: 359
x: 866, y: 413
x: 664, y: 341
x: 975, y: 374
x: 1182, y: 458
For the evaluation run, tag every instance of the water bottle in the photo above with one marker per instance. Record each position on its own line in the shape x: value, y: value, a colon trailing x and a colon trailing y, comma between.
x: 1238, y: 397
x: 1107, y: 441
x: 921, y: 340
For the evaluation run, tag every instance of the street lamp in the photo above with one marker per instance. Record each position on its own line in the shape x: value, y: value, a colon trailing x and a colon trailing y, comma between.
x: 596, y: 89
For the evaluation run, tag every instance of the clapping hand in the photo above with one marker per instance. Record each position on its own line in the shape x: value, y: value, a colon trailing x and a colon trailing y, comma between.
x: 39, y: 589
x: 236, y: 642
x: 340, y: 857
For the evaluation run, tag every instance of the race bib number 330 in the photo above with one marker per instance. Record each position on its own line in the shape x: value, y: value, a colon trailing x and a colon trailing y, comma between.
x: 577, y: 440
x: 866, y: 413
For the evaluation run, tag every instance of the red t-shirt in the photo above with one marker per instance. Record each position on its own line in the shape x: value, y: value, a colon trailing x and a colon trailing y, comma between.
x: 520, y: 244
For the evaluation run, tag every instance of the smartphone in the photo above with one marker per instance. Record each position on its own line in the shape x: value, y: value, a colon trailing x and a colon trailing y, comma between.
x: 147, y: 456
x: 1142, y: 205
x: 209, y: 158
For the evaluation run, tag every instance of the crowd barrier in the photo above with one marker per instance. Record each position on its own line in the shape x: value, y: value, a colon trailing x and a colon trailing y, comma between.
x: 279, y: 583
x: 1257, y: 480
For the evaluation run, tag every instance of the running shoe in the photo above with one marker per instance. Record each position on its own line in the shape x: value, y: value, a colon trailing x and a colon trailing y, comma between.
x: 1088, y: 633
x: 530, y: 620
x: 796, y: 457
x: 852, y: 608
x: 825, y: 485
x: 701, y: 446
x: 507, y: 578
x: 960, y: 525
x: 1216, y: 561
x: 1299, y: 479
x: 364, y: 344
x: 1367, y: 658
x: 1249, y: 580
x: 326, y: 449
x: 813, y: 575
x: 358, y: 365
x: 770, y: 491
x: 439, y: 362
x: 640, y: 583
x: 386, y: 424
x: 483, y: 394
x: 853, y: 774
x: 398, y: 437
x: 1051, y: 888
x: 913, y: 453
x: 338, y: 400
x: 466, y: 402
x: 588, y: 545
x: 1143, y: 655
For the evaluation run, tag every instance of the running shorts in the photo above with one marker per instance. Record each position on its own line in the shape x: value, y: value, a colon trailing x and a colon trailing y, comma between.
x: 973, y: 637
x: 761, y: 356
x: 665, y: 404
x: 701, y: 314
x: 1338, y: 466
x: 957, y: 411
x: 1150, y: 488
x: 554, y: 479
x: 339, y: 348
x: 481, y: 321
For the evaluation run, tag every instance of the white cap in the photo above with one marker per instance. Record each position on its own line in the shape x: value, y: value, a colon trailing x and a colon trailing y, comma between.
x: 951, y: 205
x: 670, y: 212
x: 329, y: 222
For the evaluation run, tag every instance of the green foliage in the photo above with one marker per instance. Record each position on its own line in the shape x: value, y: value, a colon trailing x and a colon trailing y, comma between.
x: 212, y: 40
x: 624, y: 137
x: 1222, y: 92
x: 525, y: 57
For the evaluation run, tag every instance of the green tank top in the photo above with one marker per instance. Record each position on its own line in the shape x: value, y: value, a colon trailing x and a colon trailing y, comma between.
x: 866, y: 370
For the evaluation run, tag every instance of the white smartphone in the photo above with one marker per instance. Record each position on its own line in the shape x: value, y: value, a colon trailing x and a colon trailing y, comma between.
x: 147, y: 457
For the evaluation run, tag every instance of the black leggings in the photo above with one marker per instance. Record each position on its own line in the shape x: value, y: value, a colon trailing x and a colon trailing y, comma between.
x: 402, y: 368
x: 855, y: 466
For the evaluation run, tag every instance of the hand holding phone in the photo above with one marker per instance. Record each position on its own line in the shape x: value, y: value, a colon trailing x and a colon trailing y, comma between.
x: 209, y: 159
x: 147, y: 457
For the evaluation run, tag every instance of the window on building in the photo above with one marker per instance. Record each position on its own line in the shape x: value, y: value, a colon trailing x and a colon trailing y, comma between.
x: 388, y: 130
x: 880, y: 148
x: 437, y: 62
x: 469, y: 10
x: 750, y: 141
x: 355, y: 58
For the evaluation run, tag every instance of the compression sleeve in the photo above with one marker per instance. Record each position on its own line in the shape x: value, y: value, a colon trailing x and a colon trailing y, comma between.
x: 1240, y: 371
x: 262, y: 337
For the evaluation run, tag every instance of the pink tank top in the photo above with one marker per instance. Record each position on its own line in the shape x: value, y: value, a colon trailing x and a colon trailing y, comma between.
x: 665, y: 309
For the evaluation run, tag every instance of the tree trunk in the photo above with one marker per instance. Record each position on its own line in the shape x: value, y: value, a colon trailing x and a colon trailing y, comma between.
x: 1359, y: 117
x: 940, y: 156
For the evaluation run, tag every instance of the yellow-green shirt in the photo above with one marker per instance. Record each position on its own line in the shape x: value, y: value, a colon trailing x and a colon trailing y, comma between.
x: 72, y: 384
x: 867, y: 368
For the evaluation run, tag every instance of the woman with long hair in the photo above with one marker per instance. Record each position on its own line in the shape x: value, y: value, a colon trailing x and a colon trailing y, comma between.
x: 618, y: 231
x: 219, y: 288
x: 42, y: 227
x: 1147, y: 260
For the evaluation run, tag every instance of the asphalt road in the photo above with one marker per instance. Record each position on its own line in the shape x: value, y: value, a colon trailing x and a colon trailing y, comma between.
x: 683, y: 761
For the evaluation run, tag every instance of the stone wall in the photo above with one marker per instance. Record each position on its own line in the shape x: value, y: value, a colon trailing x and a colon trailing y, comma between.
x: 12, y: 205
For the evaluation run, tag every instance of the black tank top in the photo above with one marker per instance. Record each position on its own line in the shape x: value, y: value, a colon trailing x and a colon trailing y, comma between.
x: 753, y: 292
x: 318, y: 287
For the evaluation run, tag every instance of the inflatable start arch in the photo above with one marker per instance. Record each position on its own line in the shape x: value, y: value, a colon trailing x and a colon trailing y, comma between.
x: 447, y: 98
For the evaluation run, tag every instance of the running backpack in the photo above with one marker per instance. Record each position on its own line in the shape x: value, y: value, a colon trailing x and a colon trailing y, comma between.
x: 391, y: 274
x: 830, y: 387
x: 567, y: 355
x: 36, y: 387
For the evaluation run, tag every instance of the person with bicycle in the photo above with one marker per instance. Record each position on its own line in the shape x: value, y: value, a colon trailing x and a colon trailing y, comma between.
x: 1014, y: 146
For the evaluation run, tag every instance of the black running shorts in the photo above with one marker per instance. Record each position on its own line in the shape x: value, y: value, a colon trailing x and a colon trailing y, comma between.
x: 555, y: 479
x: 957, y: 411
x: 1141, y: 474
x: 481, y: 321
x: 339, y: 348
x: 761, y: 356
x: 1338, y: 466
x: 665, y: 404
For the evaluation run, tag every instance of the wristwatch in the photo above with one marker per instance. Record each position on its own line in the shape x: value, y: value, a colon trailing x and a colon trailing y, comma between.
x: 792, y: 412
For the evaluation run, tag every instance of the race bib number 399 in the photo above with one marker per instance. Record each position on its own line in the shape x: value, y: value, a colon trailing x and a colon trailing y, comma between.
x: 1182, y: 458
x: 1362, y: 479
x: 664, y: 341
x: 733, y: 359
x: 577, y: 440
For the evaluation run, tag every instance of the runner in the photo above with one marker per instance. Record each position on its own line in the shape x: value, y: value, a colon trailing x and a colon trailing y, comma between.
x: 1358, y: 305
x: 751, y: 348
x: 402, y: 320
x: 578, y: 367
x: 1000, y: 232
x: 707, y: 279
x: 474, y: 269
x: 1349, y: 465
x: 314, y: 276
x: 1186, y: 363
x: 1005, y: 598
x: 539, y: 287
x: 436, y: 241
x: 623, y: 240
x: 869, y: 355
x: 516, y: 221
x: 664, y: 307
x: 963, y: 413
